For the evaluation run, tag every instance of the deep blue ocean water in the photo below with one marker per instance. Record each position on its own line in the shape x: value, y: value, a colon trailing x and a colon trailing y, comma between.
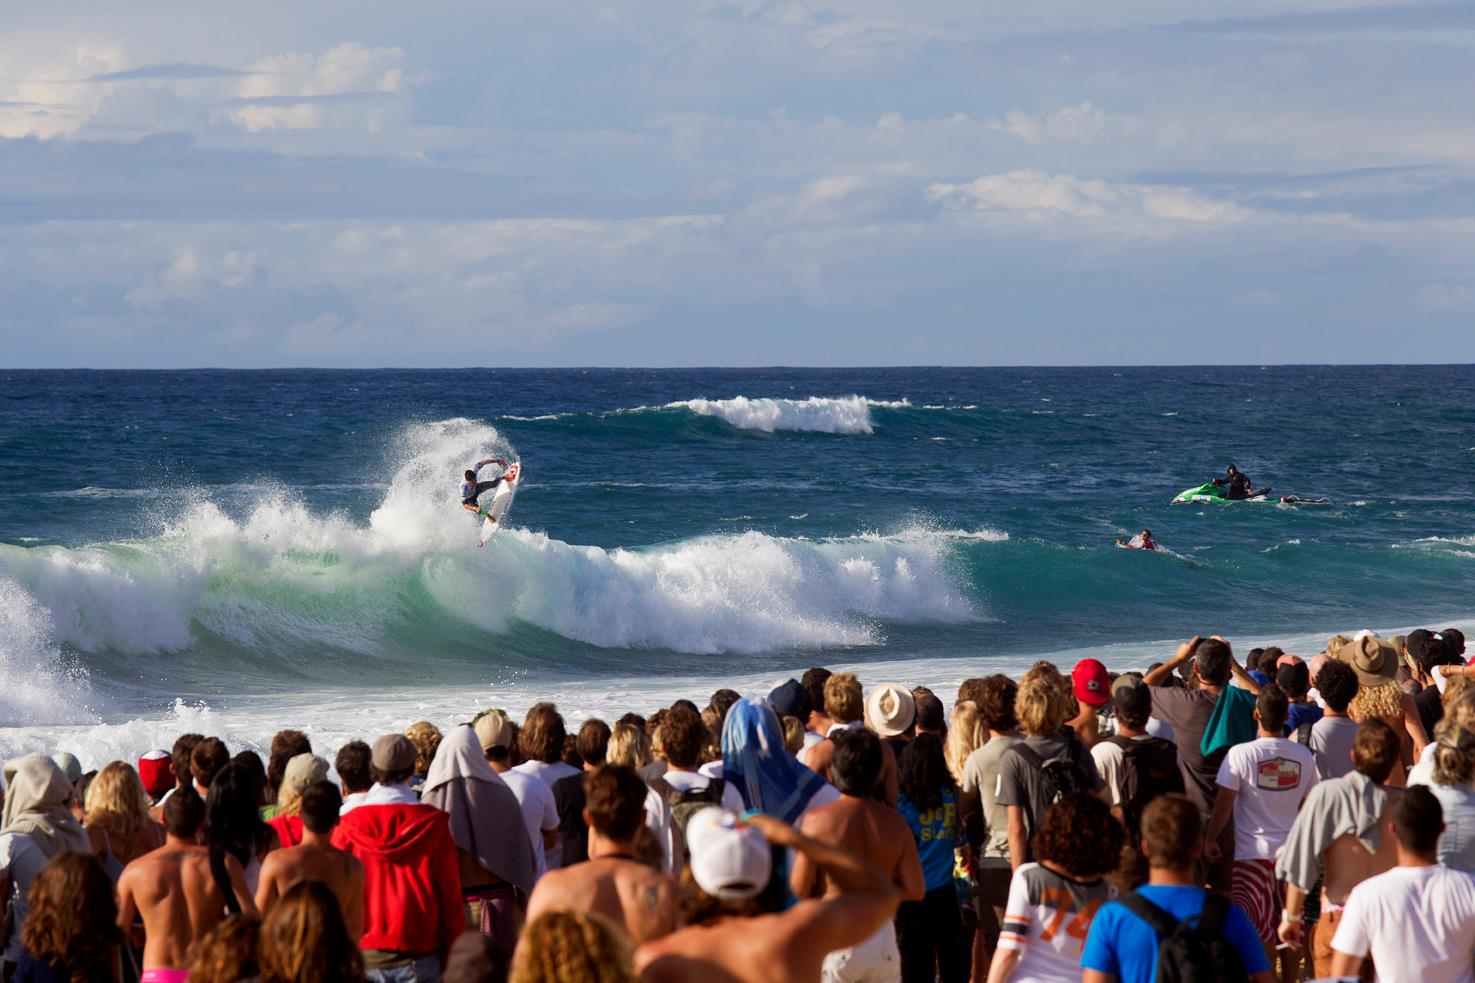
x: 215, y: 534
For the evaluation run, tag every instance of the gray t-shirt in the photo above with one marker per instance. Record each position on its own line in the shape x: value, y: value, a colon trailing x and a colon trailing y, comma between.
x: 1331, y: 741
x: 1457, y: 843
x: 1187, y: 711
x: 1022, y: 783
x: 981, y: 774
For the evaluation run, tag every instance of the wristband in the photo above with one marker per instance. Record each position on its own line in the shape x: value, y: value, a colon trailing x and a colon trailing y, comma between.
x: 1286, y: 918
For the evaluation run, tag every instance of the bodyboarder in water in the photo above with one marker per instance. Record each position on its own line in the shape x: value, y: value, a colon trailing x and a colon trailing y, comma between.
x: 471, y: 489
x: 1141, y: 541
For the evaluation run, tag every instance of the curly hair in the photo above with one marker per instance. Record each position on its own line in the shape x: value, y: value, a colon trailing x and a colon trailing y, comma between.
x: 682, y: 738
x: 426, y: 737
x: 73, y: 918
x: 117, y: 801
x: 304, y: 939
x: 1080, y: 834
x: 566, y: 946
x: 844, y: 700
x: 227, y: 952
x: 996, y: 702
x: 1384, y: 701
x: 1337, y: 684
x: 285, y: 745
x: 629, y: 745
x: 542, y: 734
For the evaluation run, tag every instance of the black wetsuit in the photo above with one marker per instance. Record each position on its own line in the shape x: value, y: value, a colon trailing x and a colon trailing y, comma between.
x: 1238, y: 487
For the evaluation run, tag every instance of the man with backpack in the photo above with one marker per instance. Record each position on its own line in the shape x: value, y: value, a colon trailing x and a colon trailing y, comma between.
x: 682, y: 736
x: 1135, y: 766
x: 1172, y: 929
x: 1048, y: 764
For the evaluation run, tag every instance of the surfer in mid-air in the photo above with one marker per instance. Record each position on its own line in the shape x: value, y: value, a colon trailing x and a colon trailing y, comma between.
x: 1141, y: 541
x: 471, y: 489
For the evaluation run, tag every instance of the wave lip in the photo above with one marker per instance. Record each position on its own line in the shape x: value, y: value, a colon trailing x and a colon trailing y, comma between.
x: 817, y: 414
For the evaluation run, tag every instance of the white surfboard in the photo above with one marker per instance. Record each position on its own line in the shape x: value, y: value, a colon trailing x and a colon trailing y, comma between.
x: 501, y: 502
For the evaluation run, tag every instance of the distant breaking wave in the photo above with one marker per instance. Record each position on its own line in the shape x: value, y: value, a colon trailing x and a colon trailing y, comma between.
x: 815, y: 414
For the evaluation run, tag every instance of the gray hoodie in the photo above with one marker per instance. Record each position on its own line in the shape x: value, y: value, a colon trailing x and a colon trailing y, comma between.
x: 1334, y: 808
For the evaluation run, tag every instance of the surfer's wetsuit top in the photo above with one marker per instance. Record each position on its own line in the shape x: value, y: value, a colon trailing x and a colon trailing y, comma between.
x: 1238, y: 487
x: 471, y: 490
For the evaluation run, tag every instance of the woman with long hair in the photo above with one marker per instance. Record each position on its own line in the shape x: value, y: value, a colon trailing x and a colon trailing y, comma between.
x: 968, y: 733
x: 71, y: 934
x: 1053, y: 900
x: 304, y: 939
x: 233, y: 825
x: 629, y: 745
x: 117, y: 818
x: 227, y: 953
x: 566, y: 946
x: 929, y: 933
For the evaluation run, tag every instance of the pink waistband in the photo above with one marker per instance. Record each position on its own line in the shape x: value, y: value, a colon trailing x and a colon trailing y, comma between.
x: 165, y: 976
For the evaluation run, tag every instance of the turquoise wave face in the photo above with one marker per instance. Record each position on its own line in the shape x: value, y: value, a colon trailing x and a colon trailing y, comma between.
x: 216, y: 533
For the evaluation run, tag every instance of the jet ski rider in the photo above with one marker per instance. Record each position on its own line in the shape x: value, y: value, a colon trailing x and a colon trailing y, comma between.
x: 1237, y: 486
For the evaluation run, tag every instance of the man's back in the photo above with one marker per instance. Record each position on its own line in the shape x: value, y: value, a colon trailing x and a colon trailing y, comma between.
x: 627, y: 892
x: 341, y: 871
x: 1415, y: 922
x: 174, y: 892
x: 870, y: 830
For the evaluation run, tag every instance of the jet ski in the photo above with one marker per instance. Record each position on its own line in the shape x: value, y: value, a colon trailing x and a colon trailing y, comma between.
x: 1211, y: 493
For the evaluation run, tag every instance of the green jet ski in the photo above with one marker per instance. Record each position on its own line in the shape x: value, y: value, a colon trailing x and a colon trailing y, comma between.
x: 1213, y: 493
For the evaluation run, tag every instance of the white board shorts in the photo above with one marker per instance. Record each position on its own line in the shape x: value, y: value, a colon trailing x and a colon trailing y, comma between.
x: 876, y: 960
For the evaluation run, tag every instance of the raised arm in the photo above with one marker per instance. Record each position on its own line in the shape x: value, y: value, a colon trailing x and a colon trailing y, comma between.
x: 1185, y: 652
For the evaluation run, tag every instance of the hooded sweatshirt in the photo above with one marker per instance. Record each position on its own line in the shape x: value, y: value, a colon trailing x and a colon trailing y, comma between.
x: 412, y: 888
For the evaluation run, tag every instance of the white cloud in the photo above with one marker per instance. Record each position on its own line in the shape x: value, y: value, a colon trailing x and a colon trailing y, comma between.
x: 344, y: 86
x: 1044, y: 197
x: 1084, y: 124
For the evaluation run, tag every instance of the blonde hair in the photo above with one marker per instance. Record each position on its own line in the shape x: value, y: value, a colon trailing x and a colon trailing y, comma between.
x: 426, y: 738
x: 712, y: 746
x: 1454, y: 754
x: 629, y: 746
x: 566, y: 946
x: 1064, y: 691
x: 302, y: 771
x: 117, y: 801
x: 1457, y: 689
x: 793, y: 734
x: 1038, y: 706
x: 1381, y: 702
x: 844, y: 702
x: 966, y: 733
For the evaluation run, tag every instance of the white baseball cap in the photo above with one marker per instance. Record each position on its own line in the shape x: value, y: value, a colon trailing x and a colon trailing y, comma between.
x: 730, y: 860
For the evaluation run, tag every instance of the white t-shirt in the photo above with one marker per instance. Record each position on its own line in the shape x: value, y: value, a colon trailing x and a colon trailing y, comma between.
x: 20, y: 861
x: 539, y: 811
x: 1271, y: 776
x: 1046, y: 920
x: 695, y: 781
x: 549, y: 772
x: 1420, y: 920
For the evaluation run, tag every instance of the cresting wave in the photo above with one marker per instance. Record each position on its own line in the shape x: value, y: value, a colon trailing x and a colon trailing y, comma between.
x: 284, y: 585
x: 815, y: 414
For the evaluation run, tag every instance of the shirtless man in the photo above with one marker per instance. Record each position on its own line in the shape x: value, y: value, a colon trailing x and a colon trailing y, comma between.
x: 868, y: 829
x: 731, y: 939
x: 845, y: 709
x: 316, y: 859
x: 612, y: 882
x: 1341, y: 829
x: 173, y: 889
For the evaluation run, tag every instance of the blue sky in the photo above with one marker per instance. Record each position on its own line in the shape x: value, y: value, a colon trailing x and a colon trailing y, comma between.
x: 694, y: 182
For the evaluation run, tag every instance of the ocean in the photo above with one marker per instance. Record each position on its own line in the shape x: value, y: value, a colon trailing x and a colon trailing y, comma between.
x: 234, y: 552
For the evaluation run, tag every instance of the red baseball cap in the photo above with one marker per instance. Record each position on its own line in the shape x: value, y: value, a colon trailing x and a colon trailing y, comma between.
x: 157, y: 771
x: 1092, y: 682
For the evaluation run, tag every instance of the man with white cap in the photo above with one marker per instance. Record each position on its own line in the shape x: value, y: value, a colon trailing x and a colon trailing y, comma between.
x: 412, y: 883
x: 729, y: 936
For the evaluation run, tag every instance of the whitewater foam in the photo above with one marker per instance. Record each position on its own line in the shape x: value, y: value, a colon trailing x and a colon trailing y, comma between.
x: 817, y: 414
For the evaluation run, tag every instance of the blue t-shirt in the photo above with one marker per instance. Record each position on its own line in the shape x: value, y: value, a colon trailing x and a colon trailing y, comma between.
x: 1122, y: 945
x: 936, y: 832
x: 1301, y: 713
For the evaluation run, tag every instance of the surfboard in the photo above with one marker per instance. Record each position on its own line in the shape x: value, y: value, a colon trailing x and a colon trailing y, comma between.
x: 501, y: 502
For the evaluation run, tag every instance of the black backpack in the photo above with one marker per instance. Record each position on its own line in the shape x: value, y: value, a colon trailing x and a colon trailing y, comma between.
x: 1149, y: 769
x: 1195, y: 949
x: 686, y: 804
x: 1060, y: 776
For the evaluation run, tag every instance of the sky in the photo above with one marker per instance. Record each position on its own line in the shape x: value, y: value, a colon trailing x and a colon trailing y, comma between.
x: 701, y: 182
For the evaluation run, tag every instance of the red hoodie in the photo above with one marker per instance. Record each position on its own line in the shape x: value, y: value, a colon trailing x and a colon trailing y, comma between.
x: 412, y: 887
